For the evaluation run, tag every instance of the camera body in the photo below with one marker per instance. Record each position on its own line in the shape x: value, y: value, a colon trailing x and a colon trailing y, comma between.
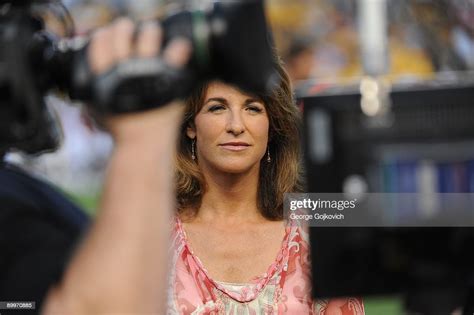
x: 25, y: 122
x: 231, y: 42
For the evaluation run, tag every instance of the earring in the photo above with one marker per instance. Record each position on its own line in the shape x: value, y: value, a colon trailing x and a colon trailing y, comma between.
x: 269, y: 159
x: 193, y: 155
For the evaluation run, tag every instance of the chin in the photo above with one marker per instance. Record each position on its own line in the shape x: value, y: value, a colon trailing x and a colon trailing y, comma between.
x: 236, y: 166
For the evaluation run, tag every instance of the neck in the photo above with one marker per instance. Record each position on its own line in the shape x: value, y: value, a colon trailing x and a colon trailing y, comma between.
x: 230, y: 198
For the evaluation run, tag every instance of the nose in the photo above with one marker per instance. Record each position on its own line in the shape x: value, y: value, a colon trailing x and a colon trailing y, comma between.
x: 235, y: 124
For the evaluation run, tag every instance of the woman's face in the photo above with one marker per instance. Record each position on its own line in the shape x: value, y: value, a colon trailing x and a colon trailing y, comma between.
x: 231, y: 130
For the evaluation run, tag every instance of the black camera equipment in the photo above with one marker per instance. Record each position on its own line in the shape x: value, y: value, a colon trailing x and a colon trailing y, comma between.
x: 230, y: 39
x: 432, y: 267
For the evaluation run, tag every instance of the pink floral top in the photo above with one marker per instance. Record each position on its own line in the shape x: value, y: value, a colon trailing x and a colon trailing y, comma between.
x: 283, y: 289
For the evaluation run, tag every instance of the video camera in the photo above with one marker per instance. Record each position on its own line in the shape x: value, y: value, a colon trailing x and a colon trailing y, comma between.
x: 33, y: 62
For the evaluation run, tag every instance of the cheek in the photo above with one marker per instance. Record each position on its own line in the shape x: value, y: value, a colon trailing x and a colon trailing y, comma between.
x: 260, y: 130
x: 207, y: 128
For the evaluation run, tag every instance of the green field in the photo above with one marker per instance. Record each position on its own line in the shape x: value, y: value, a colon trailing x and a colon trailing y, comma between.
x: 88, y: 203
x: 384, y: 305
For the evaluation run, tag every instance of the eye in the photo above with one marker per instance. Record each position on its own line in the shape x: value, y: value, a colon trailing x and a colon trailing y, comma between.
x: 254, y: 108
x: 216, y: 108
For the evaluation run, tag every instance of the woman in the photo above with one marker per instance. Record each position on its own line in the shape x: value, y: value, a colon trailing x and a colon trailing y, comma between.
x: 238, y: 155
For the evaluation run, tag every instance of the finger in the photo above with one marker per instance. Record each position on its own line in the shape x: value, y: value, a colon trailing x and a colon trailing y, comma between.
x: 100, y: 54
x: 123, y: 30
x: 149, y: 40
x: 178, y: 52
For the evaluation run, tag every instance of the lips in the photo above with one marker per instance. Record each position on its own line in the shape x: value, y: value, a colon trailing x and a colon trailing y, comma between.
x: 235, y: 146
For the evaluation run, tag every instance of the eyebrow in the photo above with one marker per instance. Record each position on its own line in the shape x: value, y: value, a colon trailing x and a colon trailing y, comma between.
x: 217, y: 99
x: 223, y: 100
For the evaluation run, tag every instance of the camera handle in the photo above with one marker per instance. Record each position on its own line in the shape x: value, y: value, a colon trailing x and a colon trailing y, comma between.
x: 134, y: 85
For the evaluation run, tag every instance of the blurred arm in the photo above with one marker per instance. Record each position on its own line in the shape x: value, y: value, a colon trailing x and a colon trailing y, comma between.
x: 121, y: 266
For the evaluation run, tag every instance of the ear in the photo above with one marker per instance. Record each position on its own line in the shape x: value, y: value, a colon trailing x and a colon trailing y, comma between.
x: 191, y: 131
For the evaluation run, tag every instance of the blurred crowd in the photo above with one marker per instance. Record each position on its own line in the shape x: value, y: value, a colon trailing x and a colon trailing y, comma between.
x: 317, y: 39
x: 425, y: 37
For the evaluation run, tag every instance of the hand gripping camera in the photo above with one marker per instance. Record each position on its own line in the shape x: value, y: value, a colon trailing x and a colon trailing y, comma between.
x: 231, y: 42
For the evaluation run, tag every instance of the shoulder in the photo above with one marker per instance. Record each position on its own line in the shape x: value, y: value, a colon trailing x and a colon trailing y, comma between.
x: 35, y: 250
x: 39, y: 229
x: 178, y: 237
x: 298, y: 230
x: 25, y: 229
x: 296, y: 252
x: 24, y: 196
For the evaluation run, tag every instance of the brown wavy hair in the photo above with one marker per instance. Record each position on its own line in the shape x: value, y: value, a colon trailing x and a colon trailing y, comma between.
x: 281, y: 175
